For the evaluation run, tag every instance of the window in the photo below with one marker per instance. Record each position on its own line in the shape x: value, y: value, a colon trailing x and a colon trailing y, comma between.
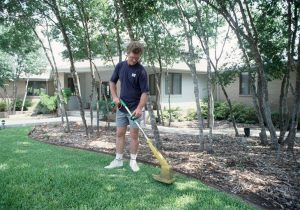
x: 244, y: 83
x: 152, y: 84
x: 35, y: 88
x: 173, y: 80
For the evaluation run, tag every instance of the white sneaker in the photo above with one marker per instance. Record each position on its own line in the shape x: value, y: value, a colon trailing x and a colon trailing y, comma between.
x: 116, y: 163
x: 134, y: 166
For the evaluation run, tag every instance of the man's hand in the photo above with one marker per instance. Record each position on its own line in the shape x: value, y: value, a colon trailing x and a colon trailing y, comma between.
x: 116, y: 101
x: 137, y: 113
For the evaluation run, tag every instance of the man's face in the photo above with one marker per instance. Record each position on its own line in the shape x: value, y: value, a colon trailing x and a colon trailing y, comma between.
x: 133, y: 58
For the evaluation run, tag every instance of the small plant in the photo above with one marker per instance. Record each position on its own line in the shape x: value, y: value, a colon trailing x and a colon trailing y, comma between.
x: 174, y: 112
x: 2, y: 106
x: 67, y: 93
x: 191, y: 115
x: 47, y: 104
x: 19, y: 103
x: 104, y: 106
x: 221, y: 110
x: 244, y: 114
x: 204, y: 108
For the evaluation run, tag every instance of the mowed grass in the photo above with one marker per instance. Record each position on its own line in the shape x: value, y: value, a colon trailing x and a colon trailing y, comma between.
x: 34, y: 175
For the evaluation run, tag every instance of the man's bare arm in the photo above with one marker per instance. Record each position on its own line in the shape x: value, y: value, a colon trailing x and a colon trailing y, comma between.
x: 143, y: 100
x: 113, y: 90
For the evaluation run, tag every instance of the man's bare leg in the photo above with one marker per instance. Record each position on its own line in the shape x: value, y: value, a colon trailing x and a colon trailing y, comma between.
x: 120, y: 144
x: 134, y: 145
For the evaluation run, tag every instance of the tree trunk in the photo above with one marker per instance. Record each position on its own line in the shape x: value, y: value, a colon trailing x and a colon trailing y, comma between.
x: 57, y: 85
x: 259, y: 114
x: 169, y: 97
x: 190, y: 61
x: 98, y: 108
x: 230, y: 109
x: 290, y: 140
x: 263, y: 98
x: 154, y: 127
x: 25, y: 94
x: 251, y: 38
x: 117, y: 27
x: 263, y: 132
x: 204, y: 40
x: 84, y: 20
x: 14, y: 100
x: 72, y: 67
x: 283, y: 104
x: 210, y: 97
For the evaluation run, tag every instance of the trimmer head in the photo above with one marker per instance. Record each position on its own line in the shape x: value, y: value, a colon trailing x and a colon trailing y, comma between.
x: 165, y: 176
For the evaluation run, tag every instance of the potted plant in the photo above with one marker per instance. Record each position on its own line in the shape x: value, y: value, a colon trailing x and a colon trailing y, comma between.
x: 3, y: 110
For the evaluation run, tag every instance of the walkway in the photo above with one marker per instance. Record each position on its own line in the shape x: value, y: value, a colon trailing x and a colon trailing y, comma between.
x: 25, y: 120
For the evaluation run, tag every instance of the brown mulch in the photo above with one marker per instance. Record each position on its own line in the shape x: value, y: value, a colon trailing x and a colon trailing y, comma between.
x: 238, y: 165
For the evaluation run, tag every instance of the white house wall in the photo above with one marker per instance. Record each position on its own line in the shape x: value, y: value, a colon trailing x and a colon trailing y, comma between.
x: 86, y: 84
x: 187, y: 99
x: 273, y: 88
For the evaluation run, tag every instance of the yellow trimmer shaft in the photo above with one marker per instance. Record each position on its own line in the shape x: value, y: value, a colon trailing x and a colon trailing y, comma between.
x: 166, y: 174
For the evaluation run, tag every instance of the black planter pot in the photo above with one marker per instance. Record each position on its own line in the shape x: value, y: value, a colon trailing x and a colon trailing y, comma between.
x: 247, y: 132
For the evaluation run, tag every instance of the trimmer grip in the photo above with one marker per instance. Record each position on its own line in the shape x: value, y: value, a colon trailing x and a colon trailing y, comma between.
x: 123, y: 103
x: 112, y: 104
x: 134, y: 118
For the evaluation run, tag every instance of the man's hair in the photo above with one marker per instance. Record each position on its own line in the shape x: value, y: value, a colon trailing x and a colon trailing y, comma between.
x: 135, y: 47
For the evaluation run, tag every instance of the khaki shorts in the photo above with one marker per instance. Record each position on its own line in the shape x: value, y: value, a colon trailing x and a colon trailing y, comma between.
x: 123, y: 120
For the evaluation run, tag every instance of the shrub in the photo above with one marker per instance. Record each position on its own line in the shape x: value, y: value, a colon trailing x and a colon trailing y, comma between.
x: 191, y: 115
x: 2, y: 106
x: 244, y: 114
x: 19, y: 103
x: 175, y: 114
x: 103, y: 106
x: 221, y: 110
x: 204, y: 109
x: 47, y: 104
x: 67, y: 93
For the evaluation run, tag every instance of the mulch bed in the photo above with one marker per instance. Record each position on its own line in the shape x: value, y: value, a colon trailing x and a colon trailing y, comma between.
x: 238, y: 165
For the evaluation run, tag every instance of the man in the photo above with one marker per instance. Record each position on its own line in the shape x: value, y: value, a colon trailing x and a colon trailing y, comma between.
x: 134, y: 92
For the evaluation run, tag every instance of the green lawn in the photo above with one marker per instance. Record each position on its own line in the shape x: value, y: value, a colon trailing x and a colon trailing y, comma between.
x: 35, y: 175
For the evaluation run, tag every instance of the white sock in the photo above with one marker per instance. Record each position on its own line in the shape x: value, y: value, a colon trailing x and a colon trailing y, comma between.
x: 119, y: 156
x: 133, y: 156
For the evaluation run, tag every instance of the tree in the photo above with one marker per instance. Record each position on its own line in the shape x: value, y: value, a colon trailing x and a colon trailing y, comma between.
x: 61, y: 20
x: 243, y: 25
x: 17, y: 40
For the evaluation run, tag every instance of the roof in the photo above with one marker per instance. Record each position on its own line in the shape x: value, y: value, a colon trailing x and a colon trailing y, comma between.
x: 45, y: 75
x: 84, y: 66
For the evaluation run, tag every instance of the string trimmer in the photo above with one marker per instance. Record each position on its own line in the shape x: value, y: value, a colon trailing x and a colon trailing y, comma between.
x: 166, y: 175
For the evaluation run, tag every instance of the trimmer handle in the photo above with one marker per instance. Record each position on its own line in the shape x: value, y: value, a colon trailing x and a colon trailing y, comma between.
x: 113, y: 104
x: 132, y: 117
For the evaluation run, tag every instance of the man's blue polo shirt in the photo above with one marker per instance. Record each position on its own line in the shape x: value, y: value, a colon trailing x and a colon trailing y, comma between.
x: 134, y: 82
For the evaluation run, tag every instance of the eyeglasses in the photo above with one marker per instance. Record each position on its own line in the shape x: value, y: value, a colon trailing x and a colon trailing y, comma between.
x: 134, y: 57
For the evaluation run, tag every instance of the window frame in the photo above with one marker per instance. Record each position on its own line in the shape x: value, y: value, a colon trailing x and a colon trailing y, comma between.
x: 172, y: 90
x: 35, y: 85
x: 241, y: 84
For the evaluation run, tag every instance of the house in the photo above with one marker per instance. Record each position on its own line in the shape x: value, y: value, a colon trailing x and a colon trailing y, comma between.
x: 37, y: 84
x: 181, y: 85
x: 239, y: 91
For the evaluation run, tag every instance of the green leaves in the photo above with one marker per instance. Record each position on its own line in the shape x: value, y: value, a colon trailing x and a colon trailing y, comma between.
x: 5, y: 68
